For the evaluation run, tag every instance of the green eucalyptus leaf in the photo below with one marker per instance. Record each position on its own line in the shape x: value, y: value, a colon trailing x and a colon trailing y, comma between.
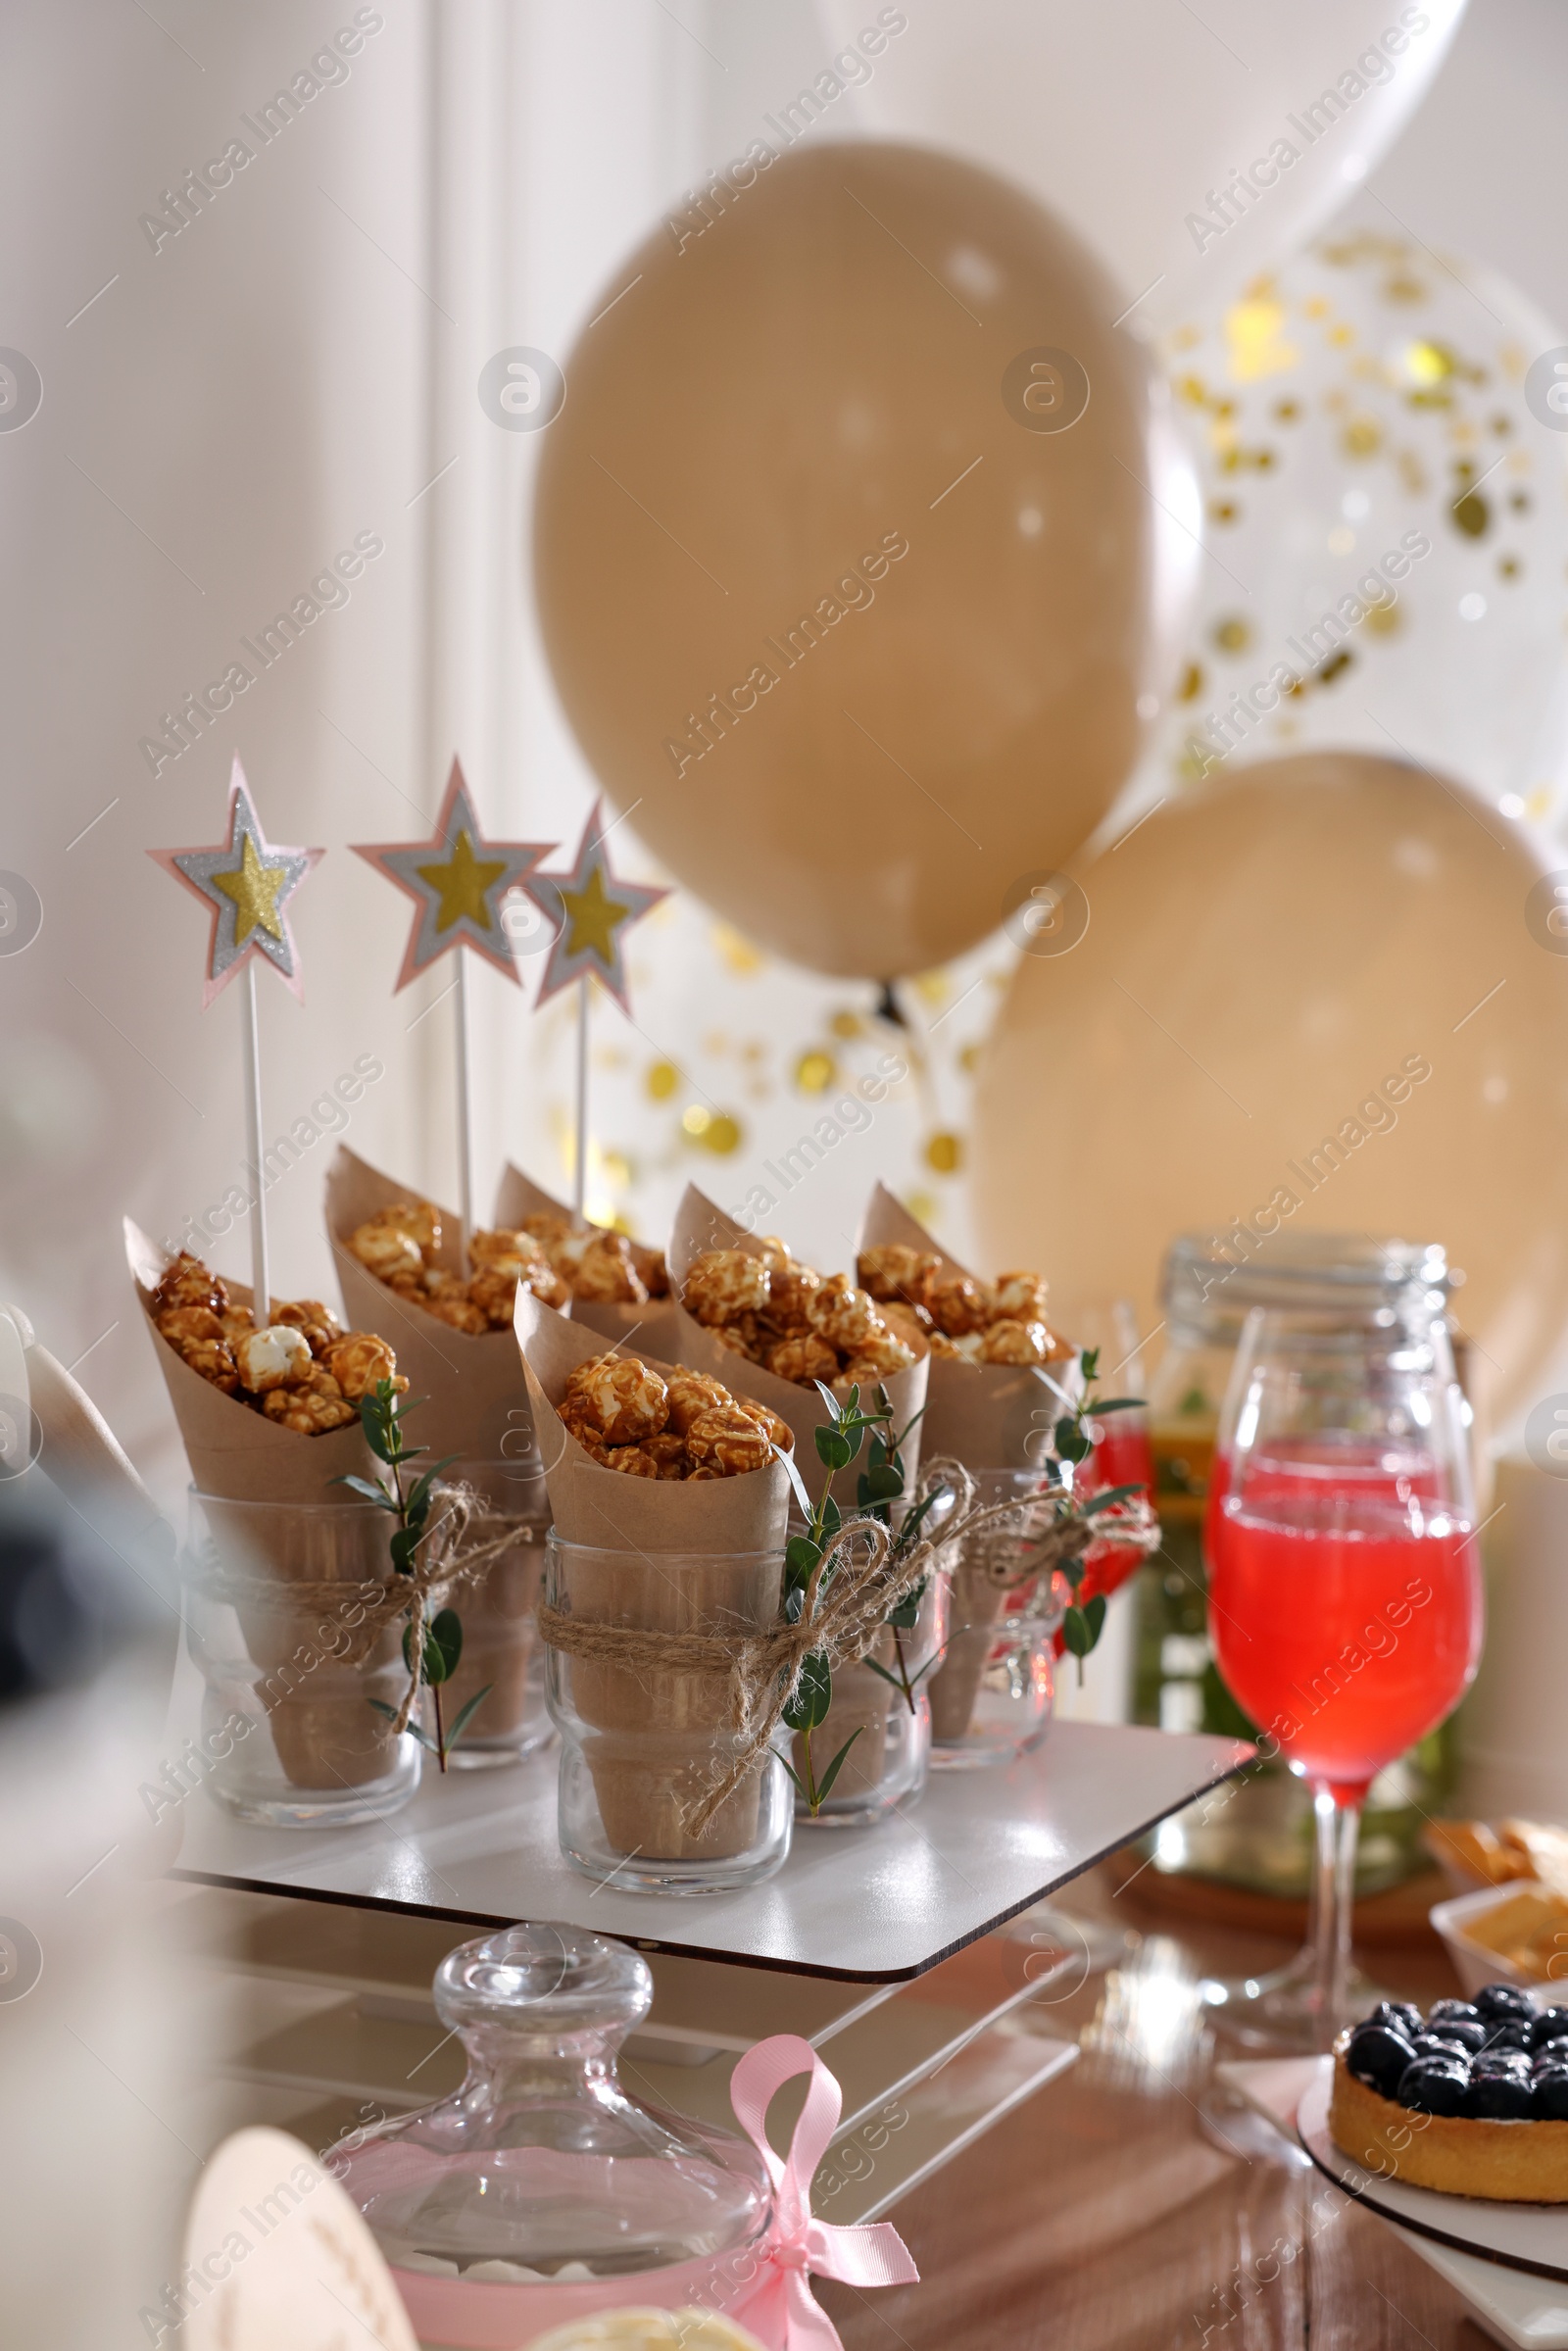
x: 885, y: 1483
x: 446, y: 1635
x: 801, y: 1555
x: 1072, y: 1441
x: 404, y: 1546
x: 1112, y: 1493
x: 825, y: 1784
x: 1089, y: 1364
x: 830, y: 1518
x: 814, y: 1694
x: 373, y: 1494
x: 1116, y: 1404
x: 465, y: 1714
x: 833, y: 1448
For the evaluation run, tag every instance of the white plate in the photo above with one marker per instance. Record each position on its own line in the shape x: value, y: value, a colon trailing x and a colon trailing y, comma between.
x: 1523, y: 2236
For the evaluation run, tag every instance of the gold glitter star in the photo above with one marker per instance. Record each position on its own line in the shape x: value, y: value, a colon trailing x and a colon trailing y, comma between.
x: 253, y: 890
x: 463, y: 882
x: 594, y: 918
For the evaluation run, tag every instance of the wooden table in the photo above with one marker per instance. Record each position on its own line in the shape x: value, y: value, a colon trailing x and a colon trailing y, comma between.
x: 1103, y: 2215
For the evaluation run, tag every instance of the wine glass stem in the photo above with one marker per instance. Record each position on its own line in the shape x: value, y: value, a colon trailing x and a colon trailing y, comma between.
x: 1333, y: 1902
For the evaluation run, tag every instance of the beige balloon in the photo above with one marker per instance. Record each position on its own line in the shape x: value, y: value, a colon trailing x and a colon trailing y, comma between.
x: 840, y: 579
x: 1325, y: 993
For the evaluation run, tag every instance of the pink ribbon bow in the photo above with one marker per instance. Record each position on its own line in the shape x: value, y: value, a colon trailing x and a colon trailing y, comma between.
x: 781, y: 2307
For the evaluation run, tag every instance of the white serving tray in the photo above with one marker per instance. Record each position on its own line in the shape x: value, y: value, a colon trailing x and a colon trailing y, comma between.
x: 874, y: 1905
x: 1513, y: 2306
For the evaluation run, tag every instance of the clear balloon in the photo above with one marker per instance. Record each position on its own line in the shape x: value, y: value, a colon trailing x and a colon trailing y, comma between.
x: 1385, y: 510
x: 861, y: 546
x: 1328, y: 991
x: 1253, y: 122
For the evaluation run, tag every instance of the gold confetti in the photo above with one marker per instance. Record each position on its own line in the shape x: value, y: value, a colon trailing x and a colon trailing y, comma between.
x: 815, y: 1071
x: 661, y: 1080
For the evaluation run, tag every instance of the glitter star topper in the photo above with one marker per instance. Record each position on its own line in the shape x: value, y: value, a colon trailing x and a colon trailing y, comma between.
x: 589, y: 910
x: 246, y: 884
x: 458, y: 882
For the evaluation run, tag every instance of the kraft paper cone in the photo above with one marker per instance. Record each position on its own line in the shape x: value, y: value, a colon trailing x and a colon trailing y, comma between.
x: 986, y: 1415
x: 645, y: 1327
x: 475, y: 1401
x: 700, y: 1225
x: 327, y: 1733
x: 665, y: 1563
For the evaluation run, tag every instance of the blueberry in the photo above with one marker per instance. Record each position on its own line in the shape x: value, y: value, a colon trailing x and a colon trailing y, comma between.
x: 1452, y: 2012
x: 1494, y: 2002
x: 1507, y: 2033
x: 1502, y: 2061
x: 1434, y: 2086
x: 1502, y: 2098
x: 1551, y: 2025
x: 1463, y: 2032
x: 1551, y: 2095
x: 1402, y: 2015
x: 1440, y: 2043
x: 1379, y: 2055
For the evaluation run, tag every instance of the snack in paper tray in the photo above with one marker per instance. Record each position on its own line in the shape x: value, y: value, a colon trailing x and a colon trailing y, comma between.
x: 400, y: 1244
x: 960, y: 1317
x: 304, y: 1370
x: 799, y: 1325
x: 1471, y: 2099
x: 1475, y: 1853
x: 629, y: 1417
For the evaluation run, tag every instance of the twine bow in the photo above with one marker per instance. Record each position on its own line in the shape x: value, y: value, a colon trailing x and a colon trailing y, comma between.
x: 781, y: 2307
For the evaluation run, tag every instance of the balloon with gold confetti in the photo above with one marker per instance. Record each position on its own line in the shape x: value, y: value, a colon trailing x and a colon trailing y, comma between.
x: 589, y: 910
x: 246, y: 883
x: 459, y: 882
x: 1385, y: 519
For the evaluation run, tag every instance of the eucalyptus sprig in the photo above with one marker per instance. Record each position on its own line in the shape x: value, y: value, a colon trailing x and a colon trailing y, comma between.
x: 1082, y: 1626
x: 838, y: 1443
x: 880, y: 1485
x: 381, y: 1416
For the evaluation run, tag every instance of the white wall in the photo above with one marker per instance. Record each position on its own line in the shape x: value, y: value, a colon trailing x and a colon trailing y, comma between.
x: 292, y: 369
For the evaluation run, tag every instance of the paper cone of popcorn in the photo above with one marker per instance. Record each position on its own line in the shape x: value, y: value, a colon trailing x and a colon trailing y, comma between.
x: 517, y: 1198
x: 669, y: 1558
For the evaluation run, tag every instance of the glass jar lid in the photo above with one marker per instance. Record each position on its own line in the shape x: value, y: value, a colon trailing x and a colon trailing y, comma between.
x: 541, y: 2165
x: 1211, y: 1282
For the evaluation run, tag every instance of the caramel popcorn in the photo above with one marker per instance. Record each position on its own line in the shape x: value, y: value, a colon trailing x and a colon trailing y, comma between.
x: 956, y: 1302
x: 310, y: 1410
x: 387, y: 1252
x: 185, y: 1325
x: 359, y: 1362
x: 844, y: 1316
x: 891, y: 1269
x: 276, y: 1357
x: 458, y: 1312
x: 186, y: 1282
x: 879, y: 1356
x: 689, y: 1392
x: 1021, y: 1296
x: 504, y: 1247
x: 606, y: 1272
x: 723, y: 1284
x: 317, y: 1324
x: 727, y: 1437
x: 419, y: 1218
x: 629, y: 1419
x: 213, y: 1359
x: 626, y: 1400
x: 961, y: 1319
x: 791, y: 1291
x: 632, y: 1461
x: 804, y: 1360
x: 577, y: 1418
x: 1008, y: 1342
x: 275, y: 1371
x: 400, y: 1244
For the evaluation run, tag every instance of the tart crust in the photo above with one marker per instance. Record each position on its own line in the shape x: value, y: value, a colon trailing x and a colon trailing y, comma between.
x: 1460, y: 2155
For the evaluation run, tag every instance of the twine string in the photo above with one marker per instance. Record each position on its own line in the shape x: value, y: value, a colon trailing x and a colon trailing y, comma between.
x: 860, y: 1578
